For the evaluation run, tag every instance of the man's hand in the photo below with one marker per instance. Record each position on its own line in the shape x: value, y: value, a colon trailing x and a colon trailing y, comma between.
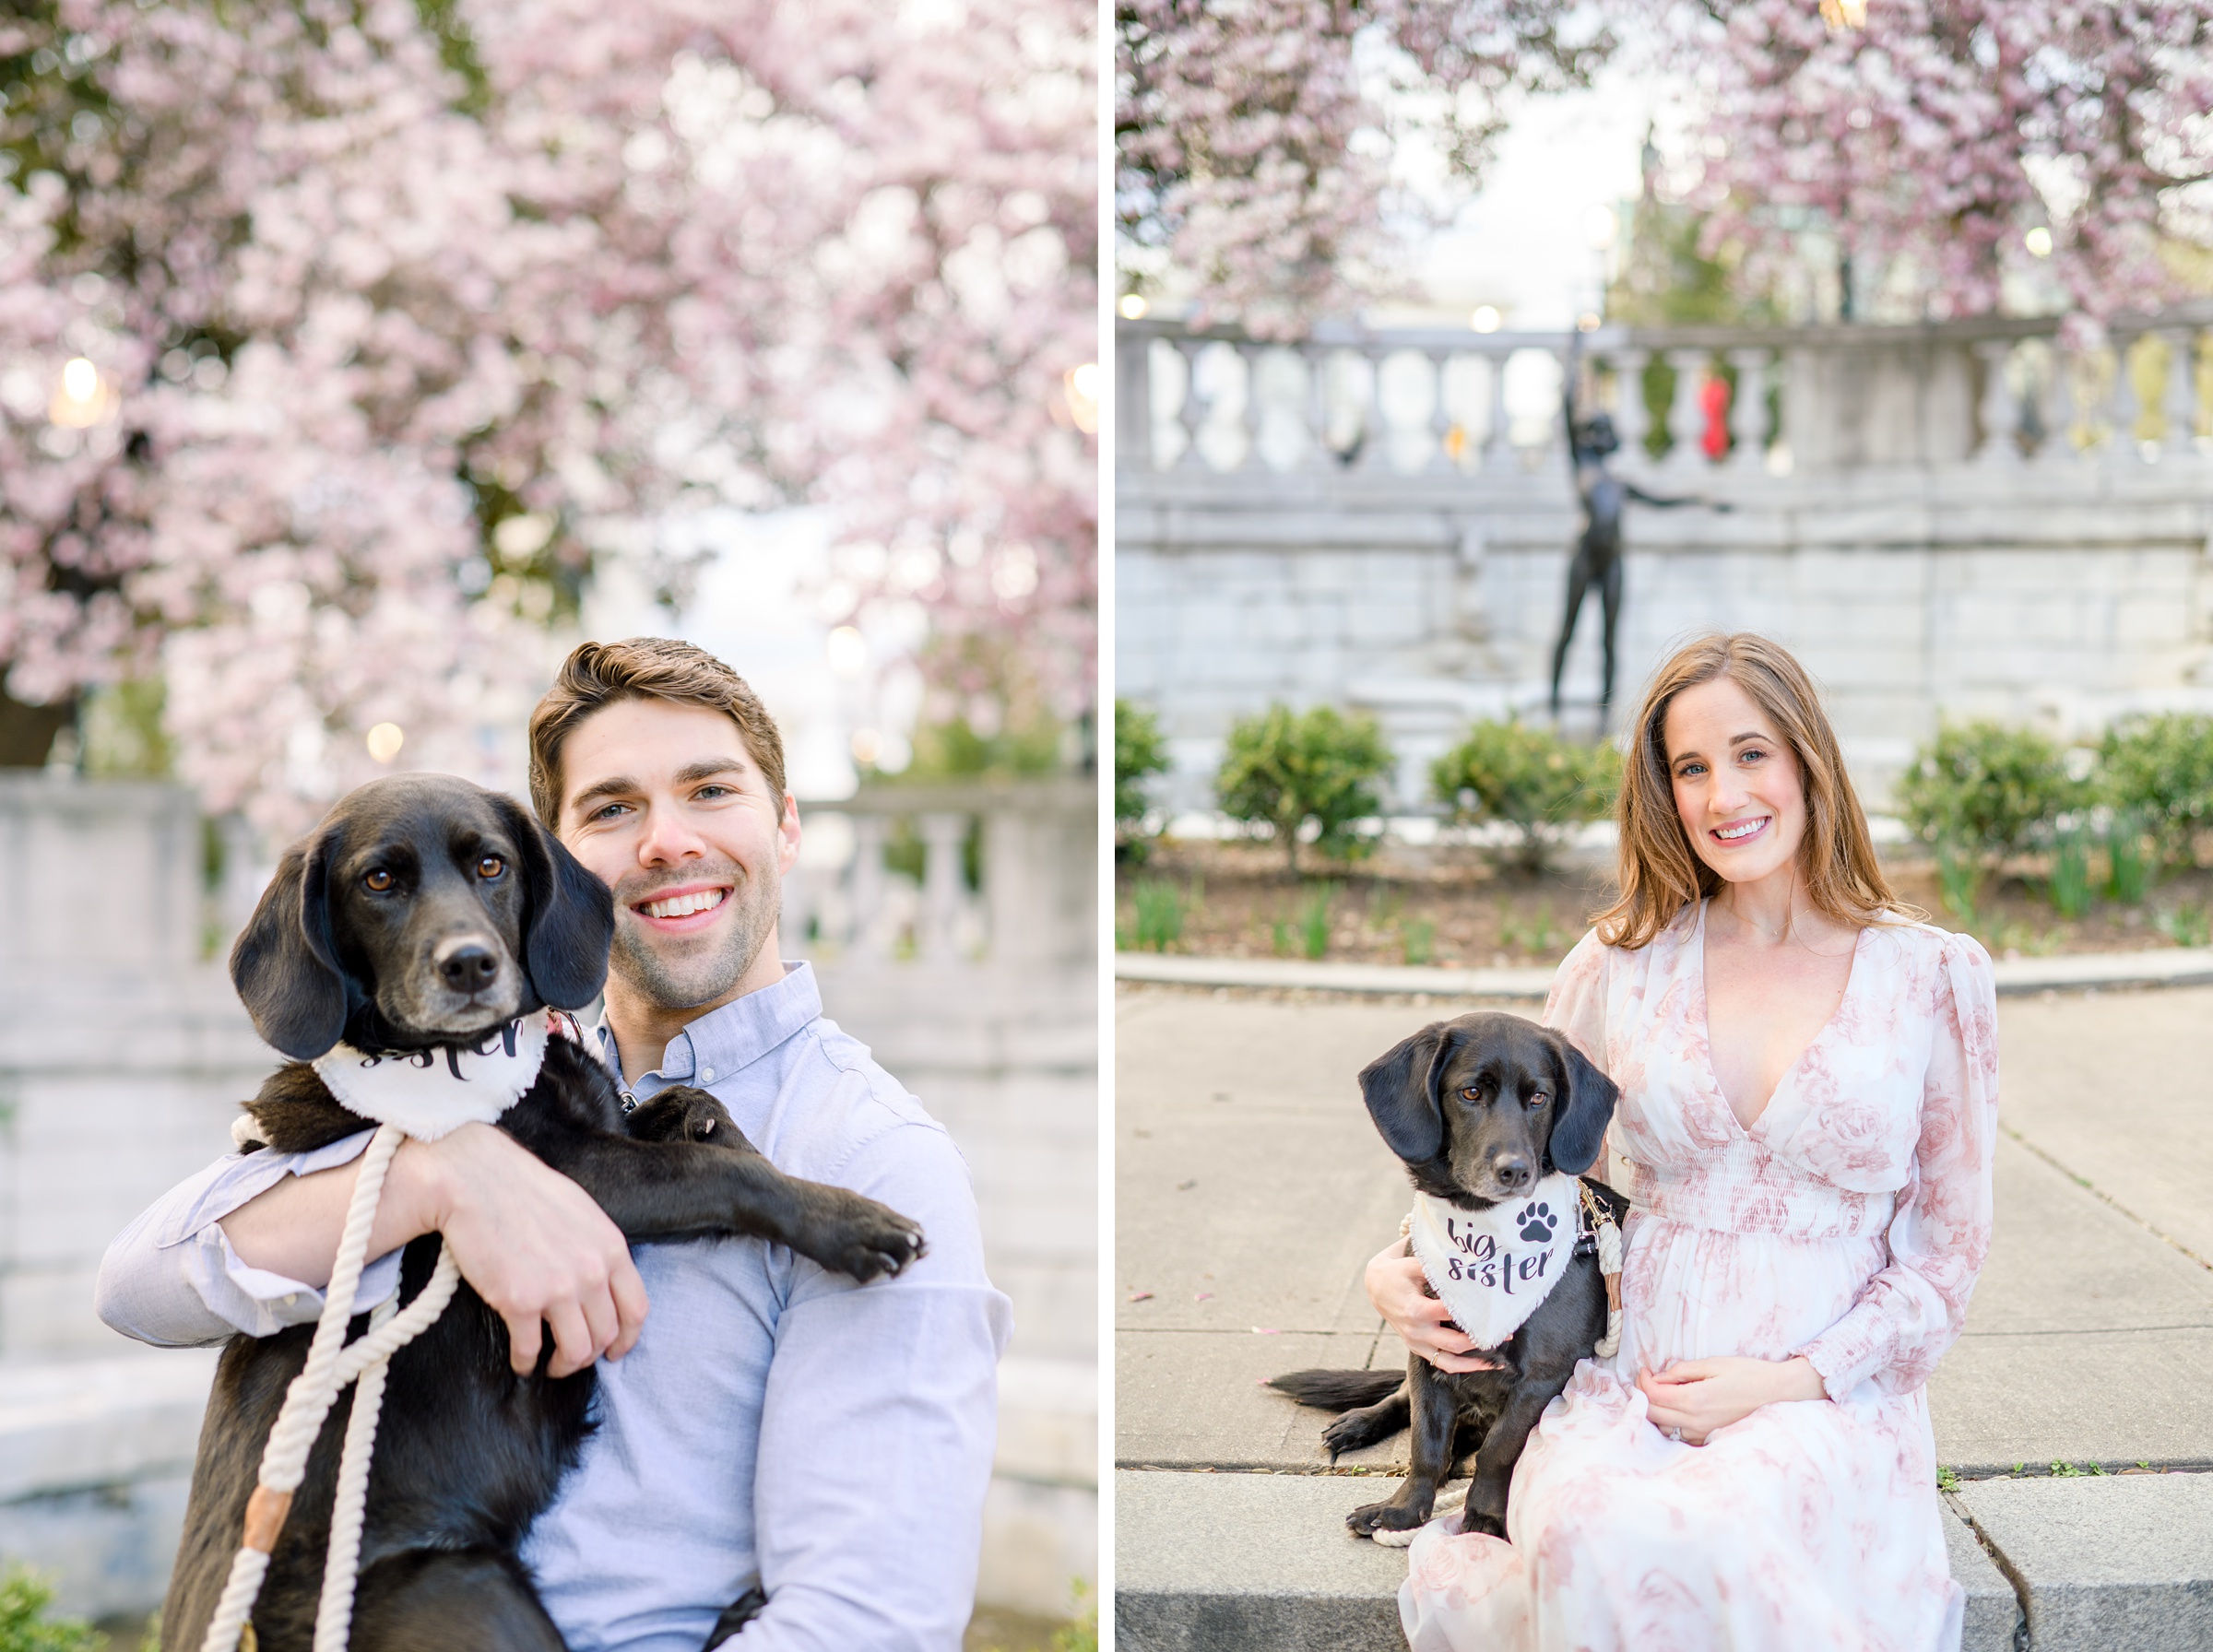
x: 530, y: 1242
x: 1396, y: 1286
x: 1700, y: 1395
x: 533, y: 1245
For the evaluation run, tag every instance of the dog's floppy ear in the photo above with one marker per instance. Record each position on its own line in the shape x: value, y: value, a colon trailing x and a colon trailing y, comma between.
x: 1586, y: 1108
x: 571, y: 920
x: 283, y: 963
x: 1400, y: 1088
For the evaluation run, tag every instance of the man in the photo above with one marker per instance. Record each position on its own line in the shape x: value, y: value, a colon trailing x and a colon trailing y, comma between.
x: 780, y: 1424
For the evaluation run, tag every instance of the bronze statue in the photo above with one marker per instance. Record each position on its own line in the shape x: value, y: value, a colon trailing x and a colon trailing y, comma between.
x: 1597, y: 558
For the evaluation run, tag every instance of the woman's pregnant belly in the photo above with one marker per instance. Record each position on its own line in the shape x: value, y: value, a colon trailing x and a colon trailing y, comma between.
x: 1693, y: 1293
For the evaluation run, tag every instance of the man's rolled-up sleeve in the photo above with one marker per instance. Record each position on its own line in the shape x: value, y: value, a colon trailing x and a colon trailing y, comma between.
x: 878, y: 1427
x: 172, y: 1280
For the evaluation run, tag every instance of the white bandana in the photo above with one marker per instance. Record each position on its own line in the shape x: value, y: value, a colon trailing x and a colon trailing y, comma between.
x: 429, y: 1093
x: 1492, y: 1268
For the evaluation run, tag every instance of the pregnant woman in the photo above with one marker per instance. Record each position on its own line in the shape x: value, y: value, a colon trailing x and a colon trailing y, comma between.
x: 1809, y: 1101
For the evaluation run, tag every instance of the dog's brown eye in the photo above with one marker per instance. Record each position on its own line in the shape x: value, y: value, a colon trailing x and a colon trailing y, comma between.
x: 380, y: 880
x: 492, y: 865
x: 1539, y: 1099
x: 1471, y: 1094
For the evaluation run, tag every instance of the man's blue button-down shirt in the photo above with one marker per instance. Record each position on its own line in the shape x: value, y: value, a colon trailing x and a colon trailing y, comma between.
x: 774, y: 1422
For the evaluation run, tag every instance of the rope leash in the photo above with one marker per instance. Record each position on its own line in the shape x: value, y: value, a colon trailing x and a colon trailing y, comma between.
x: 331, y: 1365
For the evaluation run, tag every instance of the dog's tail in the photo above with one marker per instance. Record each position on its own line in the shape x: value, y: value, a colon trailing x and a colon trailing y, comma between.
x: 1338, y: 1390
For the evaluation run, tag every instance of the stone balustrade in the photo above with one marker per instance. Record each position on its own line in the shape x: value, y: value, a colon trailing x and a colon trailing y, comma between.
x: 1952, y: 520
x: 1451, y: 403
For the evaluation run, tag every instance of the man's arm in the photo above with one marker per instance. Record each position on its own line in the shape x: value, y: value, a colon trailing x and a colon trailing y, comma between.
x: 529, y: 1241
x: 878, y: 1428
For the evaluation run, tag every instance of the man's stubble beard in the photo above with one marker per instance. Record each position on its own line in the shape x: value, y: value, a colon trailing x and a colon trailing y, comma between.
x: 688, y: 980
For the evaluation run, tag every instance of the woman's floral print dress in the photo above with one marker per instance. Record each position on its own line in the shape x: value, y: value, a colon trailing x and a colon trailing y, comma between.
x: 1847, y: 1224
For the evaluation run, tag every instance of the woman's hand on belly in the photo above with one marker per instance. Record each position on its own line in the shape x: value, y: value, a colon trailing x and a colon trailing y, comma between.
x: 1699, y: 1396
x: 1401, y: 1293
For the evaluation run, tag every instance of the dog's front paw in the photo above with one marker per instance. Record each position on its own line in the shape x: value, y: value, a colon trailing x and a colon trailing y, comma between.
x: 1380, y: 1520
x: 685, y: 1113
x: 1478, y: 1520
x: 860, y: 1237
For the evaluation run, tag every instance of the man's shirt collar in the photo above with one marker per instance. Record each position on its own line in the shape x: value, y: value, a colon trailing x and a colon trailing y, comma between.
x: 724, y: 1041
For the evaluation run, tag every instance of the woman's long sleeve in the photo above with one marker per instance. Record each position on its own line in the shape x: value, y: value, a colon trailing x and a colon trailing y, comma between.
x: 1912, y: 1310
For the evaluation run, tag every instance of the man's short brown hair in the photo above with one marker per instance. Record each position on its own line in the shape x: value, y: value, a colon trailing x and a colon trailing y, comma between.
x: 598, y: 674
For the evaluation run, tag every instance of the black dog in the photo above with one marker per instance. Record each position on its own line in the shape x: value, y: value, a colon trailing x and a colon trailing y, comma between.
x: 1480, y: 1108
x: 426, y: 914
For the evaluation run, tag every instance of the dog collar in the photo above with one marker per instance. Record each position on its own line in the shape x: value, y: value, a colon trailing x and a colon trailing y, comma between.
x: 1494, y: 1268
x: 430, y: 1093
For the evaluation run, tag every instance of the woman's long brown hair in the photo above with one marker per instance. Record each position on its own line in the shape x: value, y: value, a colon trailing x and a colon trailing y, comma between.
x: 1659, y: 871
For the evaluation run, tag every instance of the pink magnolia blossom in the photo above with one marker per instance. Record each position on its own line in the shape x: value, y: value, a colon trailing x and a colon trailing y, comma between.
x: 1932, y: 140
x: 386, y: 298
x: 1253, y: 140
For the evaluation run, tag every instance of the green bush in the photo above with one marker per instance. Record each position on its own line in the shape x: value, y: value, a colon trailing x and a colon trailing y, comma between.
x: 2069, y: 886
x: 1314, y: 920
x: 1981, y: 791
x: 2128, y: 873
x: 1160, y: 909
x: 1528, y: 779
x: 24, y: 1626
x: 1141, y: 751
x: 1285, y: 767
x: 2161, y: 769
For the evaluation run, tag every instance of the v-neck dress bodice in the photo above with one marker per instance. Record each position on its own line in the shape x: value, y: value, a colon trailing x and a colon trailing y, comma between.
x: 1846, y: 1224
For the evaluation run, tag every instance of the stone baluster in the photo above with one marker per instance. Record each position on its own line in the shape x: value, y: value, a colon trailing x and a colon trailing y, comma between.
x: 1134, y: 400
x: 2057, y: 414
x: 2122, y: 410
x: 1497, y: 442
x: 867, y: 884
x: 1748, y: 412
x: 1998, y: 412
x: 1374, y: 428
x: 2179, y: 405
x: 1250, y: 356
x: 942, y: 835
x: 1192, y: 414
x: 1683, y: 420
x: 1630, y: 418
x: 1316, y: 456
x: 796, y: 909
x: 1440, y: 418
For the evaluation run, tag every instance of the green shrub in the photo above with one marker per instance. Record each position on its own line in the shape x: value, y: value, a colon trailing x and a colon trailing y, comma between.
x: 2069, y: 886
x: 1141, y: 751
x: 1417, y: 938
x: 1160, y: 909
x: 1284, y: 769
x: 1314, y: 919
x: 2161, y: 769
x: 1528, y: 779
x: 24, y: 1626
x: 1984, y: 790
x: 2128, y: 872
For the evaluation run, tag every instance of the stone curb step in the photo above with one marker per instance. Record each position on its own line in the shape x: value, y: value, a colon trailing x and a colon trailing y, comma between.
x: 2179, y: 966
x: 1262, y: 1563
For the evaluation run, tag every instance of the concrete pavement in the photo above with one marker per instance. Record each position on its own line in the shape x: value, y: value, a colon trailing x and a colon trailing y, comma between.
x: 1252, y: 1188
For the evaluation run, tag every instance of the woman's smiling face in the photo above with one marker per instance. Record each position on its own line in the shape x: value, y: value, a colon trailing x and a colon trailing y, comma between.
x: 1736, y: 782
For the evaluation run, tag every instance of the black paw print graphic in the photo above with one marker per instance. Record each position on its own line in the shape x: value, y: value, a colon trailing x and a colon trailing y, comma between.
x: 1538, y: 1223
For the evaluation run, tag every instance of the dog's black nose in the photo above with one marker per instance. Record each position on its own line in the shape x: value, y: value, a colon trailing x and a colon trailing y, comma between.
x: 1513, y: 1171
x: 470, y: 967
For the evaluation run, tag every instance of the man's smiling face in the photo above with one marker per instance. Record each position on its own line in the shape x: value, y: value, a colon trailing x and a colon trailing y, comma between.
x: 667, y: 805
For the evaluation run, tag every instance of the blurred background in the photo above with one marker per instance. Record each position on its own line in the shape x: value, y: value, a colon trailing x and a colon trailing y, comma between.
x: 1906, y: 302
x: 355, y: 362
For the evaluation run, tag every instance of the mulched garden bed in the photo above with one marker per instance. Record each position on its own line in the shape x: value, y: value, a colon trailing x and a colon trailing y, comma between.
x: 1453, y: 906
